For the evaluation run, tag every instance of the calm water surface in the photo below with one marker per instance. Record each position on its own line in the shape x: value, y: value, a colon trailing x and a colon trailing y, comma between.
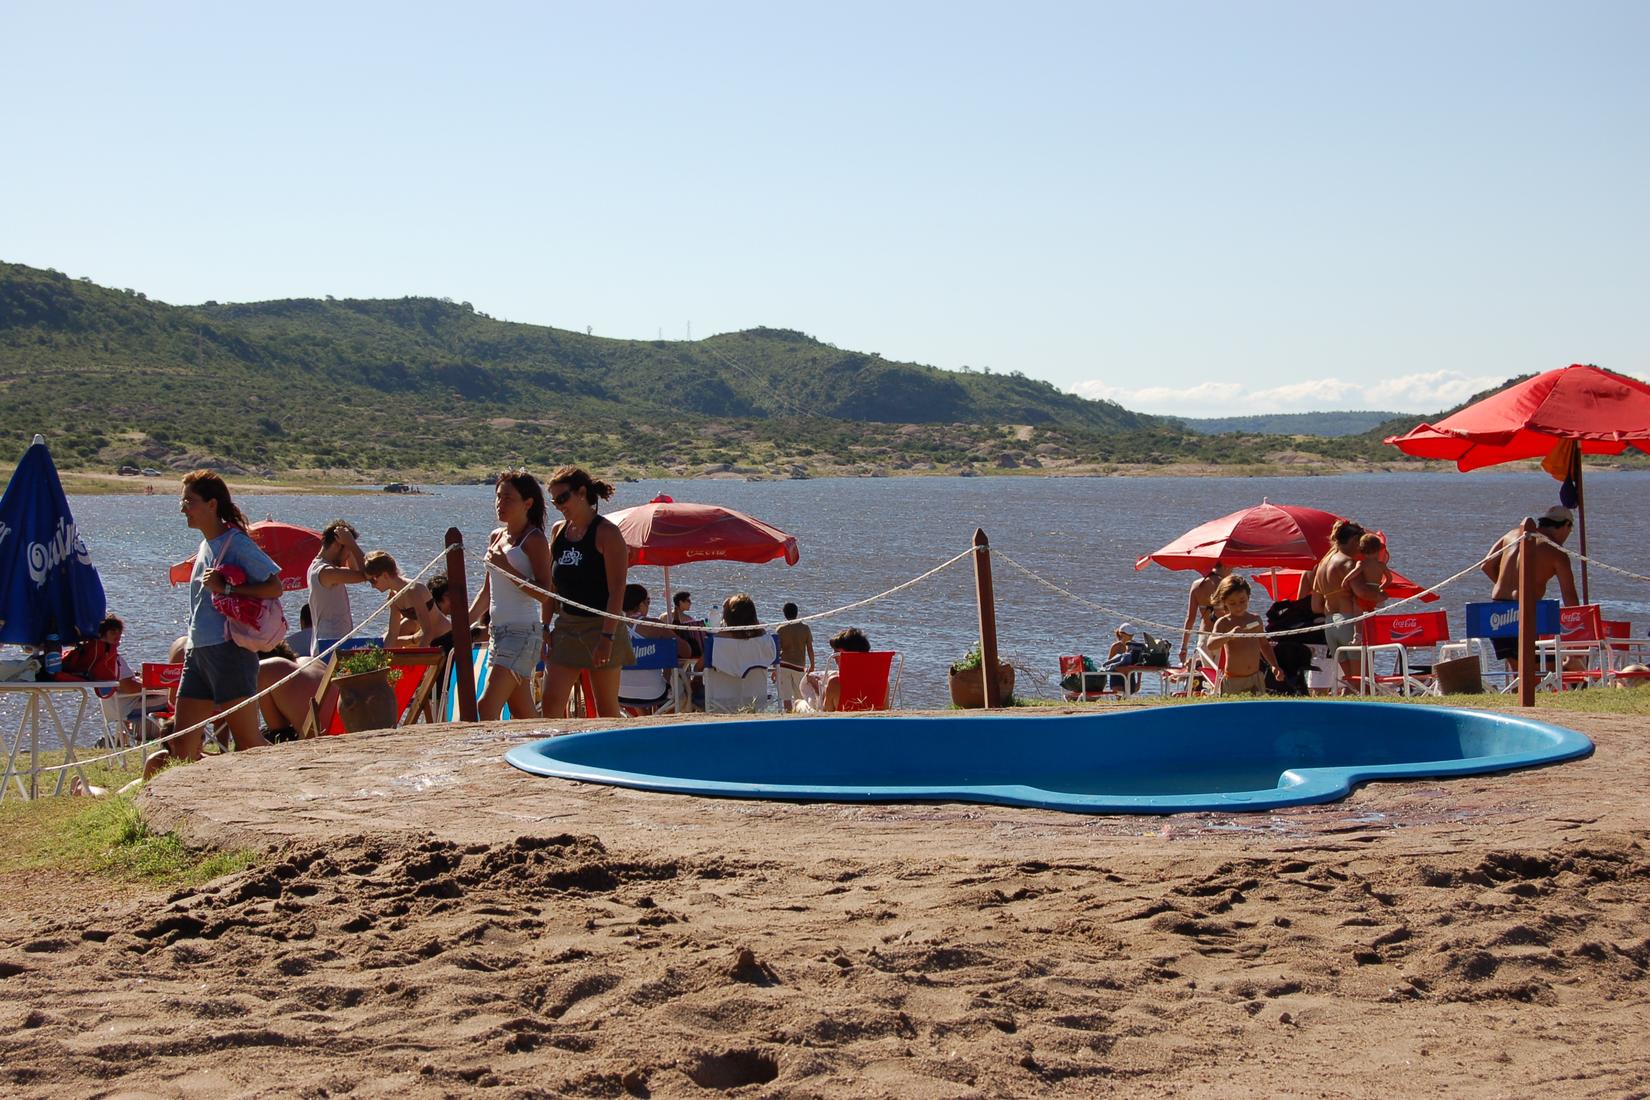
x: 861, y: 536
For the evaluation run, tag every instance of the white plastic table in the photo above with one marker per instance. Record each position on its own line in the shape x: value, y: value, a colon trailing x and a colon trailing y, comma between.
x: 41, y: 699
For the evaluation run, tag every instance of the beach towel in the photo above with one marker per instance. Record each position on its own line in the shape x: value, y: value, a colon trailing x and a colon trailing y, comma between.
x: 737, y: 656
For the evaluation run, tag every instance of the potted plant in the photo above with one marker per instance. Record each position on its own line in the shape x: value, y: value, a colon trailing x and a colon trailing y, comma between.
x: 968, y: 681
x: 366, y: 691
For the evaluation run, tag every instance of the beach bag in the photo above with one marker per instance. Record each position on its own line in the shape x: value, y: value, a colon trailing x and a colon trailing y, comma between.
x: 1154, y: 652
x: 251, y: 623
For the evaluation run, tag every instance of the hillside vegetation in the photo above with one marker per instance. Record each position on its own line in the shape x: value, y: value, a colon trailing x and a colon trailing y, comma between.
x: 1345, y: 422
x: 424, y: 388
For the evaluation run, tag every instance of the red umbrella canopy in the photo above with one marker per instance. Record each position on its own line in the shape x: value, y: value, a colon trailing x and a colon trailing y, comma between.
x: 1281, y: 535
x: 292, y: 547
x: 671, y: 533
x: 1285, y: 584
x: 1604, y: 413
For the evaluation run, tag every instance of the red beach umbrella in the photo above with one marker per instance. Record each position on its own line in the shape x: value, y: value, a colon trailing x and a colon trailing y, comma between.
x: 1283, y: 536
x: 292, y: 547
x: 1285, y: 584
x: 667, y: 533
x: 1559, y: 416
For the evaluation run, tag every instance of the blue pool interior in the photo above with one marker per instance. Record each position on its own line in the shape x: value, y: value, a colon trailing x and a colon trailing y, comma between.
x: 1206, y: 757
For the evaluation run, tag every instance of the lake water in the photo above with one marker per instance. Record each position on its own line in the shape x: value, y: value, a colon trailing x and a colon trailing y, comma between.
x: 859, y: 537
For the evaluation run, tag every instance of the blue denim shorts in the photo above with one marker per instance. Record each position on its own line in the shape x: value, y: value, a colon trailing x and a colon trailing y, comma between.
x: 222, y: 673
x: 517, y: 647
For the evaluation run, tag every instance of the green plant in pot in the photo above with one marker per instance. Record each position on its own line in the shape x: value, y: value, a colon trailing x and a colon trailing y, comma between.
x: 366, y: 689
x: 967, y: 680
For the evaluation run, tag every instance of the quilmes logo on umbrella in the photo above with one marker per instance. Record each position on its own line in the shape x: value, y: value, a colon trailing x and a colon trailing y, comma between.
x: 59, y: 548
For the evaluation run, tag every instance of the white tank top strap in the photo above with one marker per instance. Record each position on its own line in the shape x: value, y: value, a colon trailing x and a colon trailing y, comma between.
x: 507, y: 603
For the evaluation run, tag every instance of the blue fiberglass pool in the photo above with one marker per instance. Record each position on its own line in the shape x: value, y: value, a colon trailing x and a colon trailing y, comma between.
x: 1214, y: 757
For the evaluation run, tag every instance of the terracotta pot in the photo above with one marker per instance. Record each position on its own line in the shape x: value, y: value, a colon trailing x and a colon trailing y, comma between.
x: 968, y: 688
x: 366, y: 700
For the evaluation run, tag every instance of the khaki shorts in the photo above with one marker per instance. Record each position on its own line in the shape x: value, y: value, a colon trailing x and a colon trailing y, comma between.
x: 1252, y: 684
x: 573, y: 642
x: 790, y: 684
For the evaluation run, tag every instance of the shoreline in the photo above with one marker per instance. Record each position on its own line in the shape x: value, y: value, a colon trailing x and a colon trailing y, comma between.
x: 90, y: 482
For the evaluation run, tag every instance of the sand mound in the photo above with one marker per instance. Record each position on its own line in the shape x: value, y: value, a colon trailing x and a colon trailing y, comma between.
x: 664, y: 946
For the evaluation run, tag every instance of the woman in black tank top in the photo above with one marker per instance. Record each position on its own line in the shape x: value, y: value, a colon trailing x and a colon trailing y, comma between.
x: 579, y: 570
x: 588, y: 564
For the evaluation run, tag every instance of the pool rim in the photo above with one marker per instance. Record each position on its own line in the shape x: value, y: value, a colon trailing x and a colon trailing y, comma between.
x: 1296, y: 786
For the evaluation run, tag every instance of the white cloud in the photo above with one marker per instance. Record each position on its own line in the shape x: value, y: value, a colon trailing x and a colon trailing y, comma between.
x: 1423, y: 392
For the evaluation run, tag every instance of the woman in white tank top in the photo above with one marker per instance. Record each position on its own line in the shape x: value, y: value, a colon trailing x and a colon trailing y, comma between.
x: 516, y: 616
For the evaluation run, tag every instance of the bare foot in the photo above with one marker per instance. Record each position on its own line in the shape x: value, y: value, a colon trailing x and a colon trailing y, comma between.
x: 82, y: 789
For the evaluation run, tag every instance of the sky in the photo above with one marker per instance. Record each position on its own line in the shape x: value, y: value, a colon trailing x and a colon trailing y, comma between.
x: 1191, y: 208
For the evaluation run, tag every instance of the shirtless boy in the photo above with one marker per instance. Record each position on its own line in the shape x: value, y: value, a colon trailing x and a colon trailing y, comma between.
x: 1245, y: 641
x: 1547, y: 560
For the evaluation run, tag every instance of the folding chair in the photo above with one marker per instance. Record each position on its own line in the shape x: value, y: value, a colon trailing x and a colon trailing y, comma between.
x: 1399, y: 635
x: 1201, y: 673
x: 736, y: 672
x: 1580, y: 638
x: 323, y: 705
x: 421, y: 669
x: 1074, y: 666
x: 480, y: 662
x: 654, y: 667
x: 867, y: 681
x: 1493, y: 619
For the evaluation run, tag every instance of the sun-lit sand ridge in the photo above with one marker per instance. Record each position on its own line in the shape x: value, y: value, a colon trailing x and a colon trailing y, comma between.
x: 438, y: 922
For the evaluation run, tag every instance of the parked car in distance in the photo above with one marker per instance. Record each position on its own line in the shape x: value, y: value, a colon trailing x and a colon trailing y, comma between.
x: 150, y: 471
x: 127, y: 471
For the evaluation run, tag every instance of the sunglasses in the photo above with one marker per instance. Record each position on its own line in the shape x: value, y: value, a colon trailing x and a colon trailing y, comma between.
x: 563, y: 497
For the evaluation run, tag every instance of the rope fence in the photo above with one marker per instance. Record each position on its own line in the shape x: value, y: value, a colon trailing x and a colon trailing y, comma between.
x: 250, y: 700
x: 545, y: 594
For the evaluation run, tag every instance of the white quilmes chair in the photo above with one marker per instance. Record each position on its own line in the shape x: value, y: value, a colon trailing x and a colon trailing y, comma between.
x: 736, y: 672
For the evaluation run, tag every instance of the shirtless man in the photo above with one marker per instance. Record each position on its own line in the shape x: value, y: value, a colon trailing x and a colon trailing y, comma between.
x: 1546, y: 558
x: 1332, y: 600
x: 1198, y: 609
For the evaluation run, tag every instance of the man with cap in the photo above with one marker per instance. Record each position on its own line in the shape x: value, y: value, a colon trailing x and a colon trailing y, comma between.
x: 1547, y: 560
x: 1124, y: 651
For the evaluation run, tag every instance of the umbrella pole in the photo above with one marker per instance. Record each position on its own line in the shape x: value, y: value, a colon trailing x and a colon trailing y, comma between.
x: 1581, y: 521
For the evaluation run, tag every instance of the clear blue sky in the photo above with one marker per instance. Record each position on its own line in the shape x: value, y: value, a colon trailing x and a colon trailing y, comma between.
x: 1188, y: 207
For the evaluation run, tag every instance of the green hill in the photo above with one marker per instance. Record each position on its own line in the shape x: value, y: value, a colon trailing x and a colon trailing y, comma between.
x: 427, y: 388
x: 1332, y: 424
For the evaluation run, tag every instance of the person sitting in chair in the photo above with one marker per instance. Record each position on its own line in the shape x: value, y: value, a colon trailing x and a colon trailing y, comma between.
x: 642, y: 690
x: 821, y: 690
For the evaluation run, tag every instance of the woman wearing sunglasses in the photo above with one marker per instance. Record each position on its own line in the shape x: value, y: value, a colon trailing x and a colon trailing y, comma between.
x: 589, y: 561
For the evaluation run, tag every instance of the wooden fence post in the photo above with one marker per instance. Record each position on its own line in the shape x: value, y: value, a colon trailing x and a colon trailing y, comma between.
x: 988, y: 618
x: 1528, y: 672
x: 458, y: 598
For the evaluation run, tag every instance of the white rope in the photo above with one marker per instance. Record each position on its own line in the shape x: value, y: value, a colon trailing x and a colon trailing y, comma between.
x: 545, y: 594
x: 1579, y: 556
x: 1386, y: 609
x: 250, y: 700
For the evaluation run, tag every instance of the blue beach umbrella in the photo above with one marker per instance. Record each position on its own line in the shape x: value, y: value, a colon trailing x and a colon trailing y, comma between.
x: 48, y: 584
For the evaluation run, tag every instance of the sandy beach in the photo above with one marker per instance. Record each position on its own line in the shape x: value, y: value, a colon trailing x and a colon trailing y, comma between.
x: 435, y: 922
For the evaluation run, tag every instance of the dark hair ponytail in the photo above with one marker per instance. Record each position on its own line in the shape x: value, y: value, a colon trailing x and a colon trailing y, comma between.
x: 208, y: 485
x: 575, y: 478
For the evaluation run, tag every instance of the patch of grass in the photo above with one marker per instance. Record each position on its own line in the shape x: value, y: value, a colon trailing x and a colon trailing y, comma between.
x: 104, y: 836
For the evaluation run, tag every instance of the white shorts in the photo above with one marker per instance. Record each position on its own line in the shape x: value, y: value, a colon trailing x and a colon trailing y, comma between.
x: 790, y: 685
x: 1324, y: 675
